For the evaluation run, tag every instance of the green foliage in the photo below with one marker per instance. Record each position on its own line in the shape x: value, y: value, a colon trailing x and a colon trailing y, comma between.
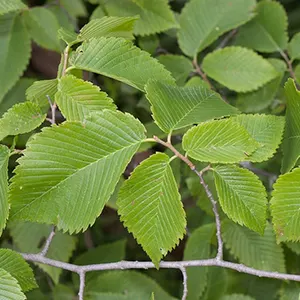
x: 252, y: 249
x: 294, y: 47
x: 28, y: 236
x: 42, y: 26
x: 131, y: 283
x: 39, y: 91
x: 219, y: 141
x: 179, y: 66
x: 15, y: 265
x: 77, y: 98
x: 138, y: 143
x: 108, y: 26
x: 217, y: 283
x: 21, y: 118
x: 9, y: 287
x: 12, y: 5
x: 290, y: 291
x: 267, y: 130
x: 198, y: 247
x: 267, y: 32
x: 263, y: 97
x: 13, y: 37
x: 4, y: 207
x: 291, y: 140
x: 242, y: 196
x: 16, y: 94
x: 189, y: 105
x: 155, y: 16
x: 239, y: 69
x: 153, y: 212
x: 236, y: 297
x: 203, y: 21
x: 32, y: 194
x: 284, y: 206
x: 129, y: 63
x: 9, y: 6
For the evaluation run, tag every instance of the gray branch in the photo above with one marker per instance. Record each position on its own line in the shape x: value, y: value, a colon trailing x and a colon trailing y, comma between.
x: 126, y: 265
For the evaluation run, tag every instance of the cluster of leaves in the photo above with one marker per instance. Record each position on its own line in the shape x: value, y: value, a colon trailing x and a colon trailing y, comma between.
x: 230, y: 111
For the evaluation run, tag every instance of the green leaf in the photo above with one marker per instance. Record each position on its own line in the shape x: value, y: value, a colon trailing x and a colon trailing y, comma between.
x: 295, y: 247
x: 9, y: 287
x: 179, y: 66
x: 252, y: 249
x: 150, y: 207
x: 155, y: 16
x: 198, y: 191
x: 217, y: 282
x: 107, y: 27
x: 13, y: 263
x: 237, y: 297
x: 30, y: 237
x: 61, y: 291
x: 72, y: 164
x: 242, y: 196
x: 197, y: 81
x: 14, y: 37
x: 294, y: 47
x: 68, y: 36
x: 177, y: 107
x: 4, y: 206
x: 75, y: 8
x: 125, y: 282
x: 291, y: 138
x: 149, y: 43
x: 21, y: 118
x: 219, y: 141
x: 119, y: 59
x: 267, y: 130
x: 203, y: 21
x: 11, y: 5
x: 285, y: 206
x: 267, y: 31
x: 98, y: 13
x: 290, y: 291
x: 297, y: 73
x: 43, y: 27
x: 38, y: 92
x: 198, y: 247
x: 239, y: 69
x: 16, y: 94
x: 77, y: 98
x: 260, y: 99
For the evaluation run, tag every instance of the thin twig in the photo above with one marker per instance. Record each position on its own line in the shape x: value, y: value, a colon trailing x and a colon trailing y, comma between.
x: 81, y: 284
x: 201, y: 73
x: 184, y: 281
x: 66, y: 58
x: 215, y: 210
x: 126, y: 265
x: 289, y: 64
x: 172, y: 148
x: 48, y: 242
x: 227, y: 38
x: 53, y: 110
